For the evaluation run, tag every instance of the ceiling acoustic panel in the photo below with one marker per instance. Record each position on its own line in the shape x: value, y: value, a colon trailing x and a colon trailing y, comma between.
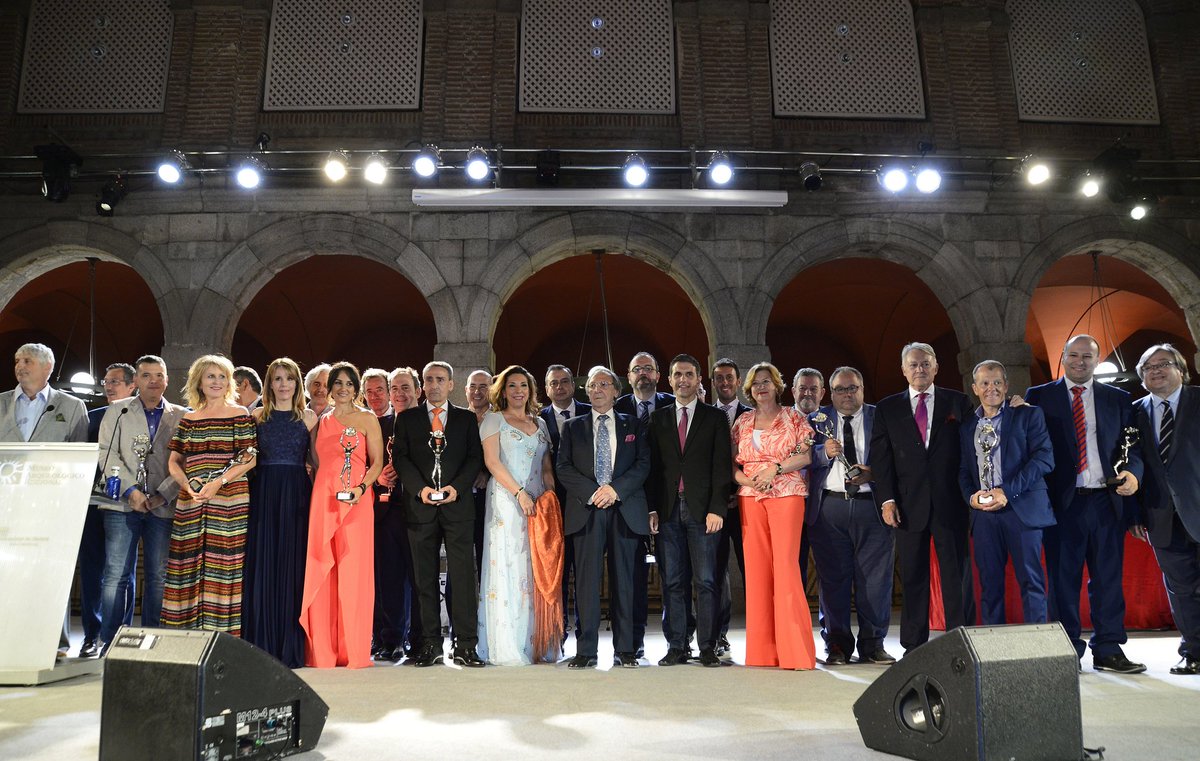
x: 1081, y: 61
x: 344, y: 56
x: 845, y: 59
x: 603, y: 56
x: 96, y: 57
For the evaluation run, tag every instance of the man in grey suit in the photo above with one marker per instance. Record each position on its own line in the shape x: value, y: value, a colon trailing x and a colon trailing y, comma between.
x: 144, y: 424
x: 35, y: 412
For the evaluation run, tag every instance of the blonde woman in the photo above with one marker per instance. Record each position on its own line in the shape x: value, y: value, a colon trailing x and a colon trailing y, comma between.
x: 279, y: 500
x: 211, y: 452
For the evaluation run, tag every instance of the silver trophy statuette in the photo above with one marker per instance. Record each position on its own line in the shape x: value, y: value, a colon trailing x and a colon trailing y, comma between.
x: 824, y: 426
x: 987, y: 438
x: 141, y: 449
x: 1129, y: 440
x: 240, y: 458
x: 437, y: 444
x: 348, y: 442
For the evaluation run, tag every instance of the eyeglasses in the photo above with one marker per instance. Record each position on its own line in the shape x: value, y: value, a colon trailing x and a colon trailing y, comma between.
x: 1166, y: 364
x: 919, y: 365
x: 113, y: 382
x: 846, y: 389
x: 597, y: 385
x: 643, y: 369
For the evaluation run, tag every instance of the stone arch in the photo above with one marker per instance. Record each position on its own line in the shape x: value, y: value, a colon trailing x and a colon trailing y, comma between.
x: 252, y: 263
x: 573, y: 233
x: 1162, y: 253
x: 953, y: 276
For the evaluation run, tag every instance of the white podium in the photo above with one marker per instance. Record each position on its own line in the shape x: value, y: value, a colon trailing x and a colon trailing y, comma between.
x: 44, y: 490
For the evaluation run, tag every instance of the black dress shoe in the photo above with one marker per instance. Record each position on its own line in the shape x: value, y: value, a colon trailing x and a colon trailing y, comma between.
x: 878, y: 656
x: 674, y: 657
x: 582, y: 662
x: 626, y: 660
x: 709, y: 658
x: 836, y: 657
x: 1117, y: 663
x: 90, y: 649
x: 722, y: 646
x: 641, y: 653
x: 1187, y: 666
x: 466, y: 656
x: 429, y: 656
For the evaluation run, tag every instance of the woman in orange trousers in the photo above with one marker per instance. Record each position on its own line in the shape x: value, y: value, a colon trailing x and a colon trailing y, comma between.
x: 339, y: 580
x: 771, y: 446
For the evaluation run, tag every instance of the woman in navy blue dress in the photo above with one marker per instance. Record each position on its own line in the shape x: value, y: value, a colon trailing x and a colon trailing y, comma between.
x: 279, y: 500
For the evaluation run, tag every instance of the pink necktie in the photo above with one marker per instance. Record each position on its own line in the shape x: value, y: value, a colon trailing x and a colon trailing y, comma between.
x: 682, y: 438
x: 922, y: 416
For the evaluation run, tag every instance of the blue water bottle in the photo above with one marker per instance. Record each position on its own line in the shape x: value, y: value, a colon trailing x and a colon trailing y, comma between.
x: 112, y: 484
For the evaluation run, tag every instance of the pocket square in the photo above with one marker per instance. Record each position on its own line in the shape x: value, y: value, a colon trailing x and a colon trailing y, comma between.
x: 59, y: 418
x: 629, y: 438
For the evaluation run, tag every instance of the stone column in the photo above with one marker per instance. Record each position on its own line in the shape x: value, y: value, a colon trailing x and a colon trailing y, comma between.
x: 464, y: 357
x: 1016, y: 358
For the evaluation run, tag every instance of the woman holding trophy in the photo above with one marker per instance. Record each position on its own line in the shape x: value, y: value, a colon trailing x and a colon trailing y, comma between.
x: 339, y: 582
x: 211, y: 452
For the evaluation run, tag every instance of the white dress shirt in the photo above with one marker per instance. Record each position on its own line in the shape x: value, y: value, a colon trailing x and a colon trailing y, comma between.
x: 1093, y: 477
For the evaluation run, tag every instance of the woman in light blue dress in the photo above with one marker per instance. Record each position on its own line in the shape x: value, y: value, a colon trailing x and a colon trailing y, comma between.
x: 516, y: 449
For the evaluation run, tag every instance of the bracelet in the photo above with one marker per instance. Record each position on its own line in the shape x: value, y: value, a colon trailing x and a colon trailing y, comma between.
x: 517, y: 493
x: 779, y: 469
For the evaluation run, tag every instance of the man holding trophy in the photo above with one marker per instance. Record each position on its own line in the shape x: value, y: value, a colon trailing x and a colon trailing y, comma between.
x: 437, y: 453
x: 1006, y: 454
x: 134, y: 434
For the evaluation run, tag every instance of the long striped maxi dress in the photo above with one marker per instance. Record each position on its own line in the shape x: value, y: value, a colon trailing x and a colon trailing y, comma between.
x: 208, y: 542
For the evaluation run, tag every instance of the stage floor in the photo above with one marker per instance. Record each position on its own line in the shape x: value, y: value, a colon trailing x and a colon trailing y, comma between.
x: 681, y: 712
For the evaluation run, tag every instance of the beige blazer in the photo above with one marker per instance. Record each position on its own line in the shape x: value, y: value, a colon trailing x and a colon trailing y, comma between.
x: 121, y: 423
x: 67, y: 421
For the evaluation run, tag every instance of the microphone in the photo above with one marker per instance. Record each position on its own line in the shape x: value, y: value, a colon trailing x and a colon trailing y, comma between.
x: 111, y: 439
x: 49, y: 408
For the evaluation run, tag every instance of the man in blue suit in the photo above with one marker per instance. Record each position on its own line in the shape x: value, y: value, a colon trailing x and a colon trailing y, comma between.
x: 603, y: 461
x: 560, y: 387
x: 853, y: 549
x: 1170, y: 443
x: 1085, y: 420
x: 1006, y: 455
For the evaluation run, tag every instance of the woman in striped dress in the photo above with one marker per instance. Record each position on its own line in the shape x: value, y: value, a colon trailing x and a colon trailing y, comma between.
x: 208, y: 537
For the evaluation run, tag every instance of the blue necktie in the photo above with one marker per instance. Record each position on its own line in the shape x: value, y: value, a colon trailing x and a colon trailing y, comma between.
x: 603, y: 451
x: 643, y: 411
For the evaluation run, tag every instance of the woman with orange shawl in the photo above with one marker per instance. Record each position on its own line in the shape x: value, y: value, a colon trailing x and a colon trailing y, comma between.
x: 520, y: 616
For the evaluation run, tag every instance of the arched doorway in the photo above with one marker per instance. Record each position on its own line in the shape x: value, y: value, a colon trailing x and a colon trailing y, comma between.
x: 1065, y: 303
x: 333, y: 307
x: 555, y: 317
x: 54, y: 309
x: 860, y: 312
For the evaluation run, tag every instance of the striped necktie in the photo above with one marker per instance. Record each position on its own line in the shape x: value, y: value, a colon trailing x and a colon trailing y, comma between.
x: 1166, y: 430
x: 1080, y: 418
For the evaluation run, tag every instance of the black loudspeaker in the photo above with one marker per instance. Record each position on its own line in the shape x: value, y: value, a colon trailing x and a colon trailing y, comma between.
x: 985, y: 693
x: 184, y: 695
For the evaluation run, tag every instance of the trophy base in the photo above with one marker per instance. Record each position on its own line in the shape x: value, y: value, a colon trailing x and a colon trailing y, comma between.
x: 384, y: 497
x: 437, y: 496
x: 853, y: 472
x: 986, y: 500
x: 195, y: 484
x: 344, y: 496
x: 1114, y: 482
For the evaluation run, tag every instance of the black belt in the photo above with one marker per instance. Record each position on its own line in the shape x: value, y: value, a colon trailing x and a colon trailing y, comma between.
x: 1098, y: 490
x: 865, y: 495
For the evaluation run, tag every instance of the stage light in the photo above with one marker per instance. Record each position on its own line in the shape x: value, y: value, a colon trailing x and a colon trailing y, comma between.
x: 110, y: 195
x: 336, y: 165
x: 893, y: 179
x: 427, y: 161
x: 810, y: 176
x: 1089, y: 185
x: 928, y: 180
x: 634, y: 171
x: 549, y: 163
x: 249, y: 173
x: 720, y: 171
x: 171, y: 169
x: 1037, y: 172
x: 477, y: 164
x: 59, y: 165
x: 82, y: 383
x: 375, y: 171
x: 1141, y: 209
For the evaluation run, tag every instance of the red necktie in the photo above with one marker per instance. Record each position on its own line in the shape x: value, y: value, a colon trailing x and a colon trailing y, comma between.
x: 922, y: 416
x: 1080, y: 419
x: 682, y: 438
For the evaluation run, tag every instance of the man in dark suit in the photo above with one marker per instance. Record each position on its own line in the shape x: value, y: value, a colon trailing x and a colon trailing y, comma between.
x: 639, y: 403
x: 853, y: 549
x: 560, y: 387
x: 688, y: 491
x: 915, y: 455
x: 1167, y: 420
x: 603, y: 462
x: 391, y: 598
x: 1006, y: 455
x: 727, y: 382
x: 442, y: 511
x: 1085, y: 420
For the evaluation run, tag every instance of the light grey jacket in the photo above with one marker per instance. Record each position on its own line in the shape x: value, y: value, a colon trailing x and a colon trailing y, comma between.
x: 122, y: 422
x: 67, y: 421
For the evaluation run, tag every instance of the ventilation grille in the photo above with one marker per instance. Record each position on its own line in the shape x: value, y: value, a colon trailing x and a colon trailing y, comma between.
x: 605, y: 56
x: 94, y: 57
x: 845, y: 58
x: 344, y: 56
x: 1081, y: 61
